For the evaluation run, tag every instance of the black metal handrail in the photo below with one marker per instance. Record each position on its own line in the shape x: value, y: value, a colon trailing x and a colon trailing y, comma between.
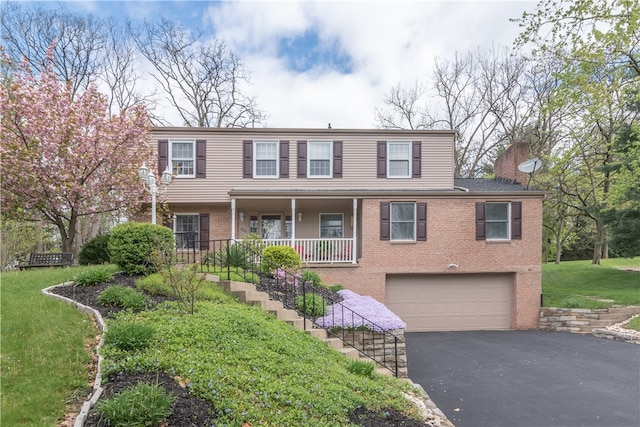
x: 309, y: 301
x: 225, y: 256
x: 222, y: 256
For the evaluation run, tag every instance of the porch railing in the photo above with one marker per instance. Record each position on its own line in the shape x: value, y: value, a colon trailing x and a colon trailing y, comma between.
x: 311, y: 303
x: 319, y: 250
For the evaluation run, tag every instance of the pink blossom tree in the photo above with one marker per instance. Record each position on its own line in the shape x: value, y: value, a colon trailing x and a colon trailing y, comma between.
x: 64, y: 157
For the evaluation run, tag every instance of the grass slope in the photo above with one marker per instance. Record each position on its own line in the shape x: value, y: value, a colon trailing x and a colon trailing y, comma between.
x: 580, y: 284
x: 255, y: 369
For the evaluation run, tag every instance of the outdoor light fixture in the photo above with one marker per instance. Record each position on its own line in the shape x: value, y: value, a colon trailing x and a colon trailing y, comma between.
x: 150, y: 184
x: 299, y: 216
x: 241, y: 216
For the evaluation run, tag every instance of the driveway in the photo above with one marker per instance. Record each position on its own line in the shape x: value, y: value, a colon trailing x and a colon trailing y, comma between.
x: 527, y: 378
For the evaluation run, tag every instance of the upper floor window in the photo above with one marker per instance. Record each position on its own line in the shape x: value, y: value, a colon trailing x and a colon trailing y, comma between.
x: 331, y: 225
x: 320, y: 155
x: 183, y: 158
x: 498, y: 220
x: 266, y: 159
x: 399, y: 160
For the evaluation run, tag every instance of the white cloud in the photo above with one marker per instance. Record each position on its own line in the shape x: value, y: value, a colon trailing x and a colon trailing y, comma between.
x: 387, y: 42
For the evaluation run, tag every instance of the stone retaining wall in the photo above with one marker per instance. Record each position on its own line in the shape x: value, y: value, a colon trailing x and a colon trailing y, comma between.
x: 568, y: 319
x: 381, y: 347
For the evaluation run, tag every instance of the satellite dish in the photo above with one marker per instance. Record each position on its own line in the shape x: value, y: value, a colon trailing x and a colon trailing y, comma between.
x: 530, y: 166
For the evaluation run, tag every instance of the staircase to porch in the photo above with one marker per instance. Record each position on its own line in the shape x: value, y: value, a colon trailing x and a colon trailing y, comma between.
x: 247, y: 294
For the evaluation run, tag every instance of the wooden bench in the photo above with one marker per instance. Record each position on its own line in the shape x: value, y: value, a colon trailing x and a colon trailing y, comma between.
x: 48, y: 260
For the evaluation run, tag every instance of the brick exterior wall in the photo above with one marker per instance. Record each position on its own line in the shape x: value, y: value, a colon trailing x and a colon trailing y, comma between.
x: 450, y: 239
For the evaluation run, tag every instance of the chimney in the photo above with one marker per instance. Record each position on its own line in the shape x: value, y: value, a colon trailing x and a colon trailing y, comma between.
x: 506, y: 165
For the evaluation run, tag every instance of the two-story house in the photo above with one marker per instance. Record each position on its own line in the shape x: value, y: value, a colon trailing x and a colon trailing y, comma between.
x: 377, y: 211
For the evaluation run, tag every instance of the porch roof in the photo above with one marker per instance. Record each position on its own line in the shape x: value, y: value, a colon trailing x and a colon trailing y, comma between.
x: 463, y: 188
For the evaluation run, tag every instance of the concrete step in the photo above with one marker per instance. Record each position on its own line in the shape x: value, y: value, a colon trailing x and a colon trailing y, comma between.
x: 334, y: 343
x: 349, y: 352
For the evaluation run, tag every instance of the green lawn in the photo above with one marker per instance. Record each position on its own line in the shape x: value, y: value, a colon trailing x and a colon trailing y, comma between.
x: 44, y: 361
x: 580, y: 284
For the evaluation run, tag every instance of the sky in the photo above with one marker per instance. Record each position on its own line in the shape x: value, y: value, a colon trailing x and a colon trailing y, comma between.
x: 318, y: 62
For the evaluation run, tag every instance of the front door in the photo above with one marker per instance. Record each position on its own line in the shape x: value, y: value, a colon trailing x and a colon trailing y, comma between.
x: 271, y: 227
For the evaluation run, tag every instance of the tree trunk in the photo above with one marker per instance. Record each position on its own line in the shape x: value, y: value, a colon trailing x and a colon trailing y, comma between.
x: 597, y: 246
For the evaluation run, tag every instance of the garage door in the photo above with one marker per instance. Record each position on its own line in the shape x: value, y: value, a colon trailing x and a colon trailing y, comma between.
x: 451, y: 302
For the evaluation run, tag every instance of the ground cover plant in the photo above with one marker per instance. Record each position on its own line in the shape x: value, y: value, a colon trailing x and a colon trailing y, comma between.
x: 254, y: 369
x: 44, y: 355
x: 364, y: 312
x: 580, y: 284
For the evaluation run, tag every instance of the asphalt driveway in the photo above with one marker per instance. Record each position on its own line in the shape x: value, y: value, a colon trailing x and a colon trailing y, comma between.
x: 527, y: 378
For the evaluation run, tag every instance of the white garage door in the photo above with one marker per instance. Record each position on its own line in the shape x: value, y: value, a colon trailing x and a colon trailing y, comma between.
x: 452, y: 302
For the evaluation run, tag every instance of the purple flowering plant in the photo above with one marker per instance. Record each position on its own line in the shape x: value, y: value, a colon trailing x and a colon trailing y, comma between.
x: 360, y: 312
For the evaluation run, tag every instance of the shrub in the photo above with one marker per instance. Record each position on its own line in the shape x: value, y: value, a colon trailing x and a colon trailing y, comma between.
x: 311, y: 276
x: 129, y: 336
x: 280, y: 257
x: 361, y: 367
x: 95, y: 251
x: 121, y: 296
x: 132, y: 244
x: 92, y: 277
x: 154, y: 284
x: 311, y: 304
x: 232, y: 255
x: 140, y: 405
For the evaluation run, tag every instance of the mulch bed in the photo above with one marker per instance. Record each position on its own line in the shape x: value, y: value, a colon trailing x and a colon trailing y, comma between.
x: 188, y: 410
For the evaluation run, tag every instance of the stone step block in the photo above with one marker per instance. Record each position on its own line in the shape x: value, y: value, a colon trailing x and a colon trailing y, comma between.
x: 350, y: 352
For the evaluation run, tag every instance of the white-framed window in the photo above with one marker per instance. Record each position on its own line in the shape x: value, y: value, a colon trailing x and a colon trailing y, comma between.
x: 403, y: 220
x: 320, y: 155
x: 182, y: 158
x: 497, y: 222
x: 399, y: 159
x: 187, y: 230
x: 265, y: 163
x: 331, y: 225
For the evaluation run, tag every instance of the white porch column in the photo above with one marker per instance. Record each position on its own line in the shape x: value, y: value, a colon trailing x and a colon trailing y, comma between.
x: 293, y: 222
x: 354, y: 250
x: 233, y: 219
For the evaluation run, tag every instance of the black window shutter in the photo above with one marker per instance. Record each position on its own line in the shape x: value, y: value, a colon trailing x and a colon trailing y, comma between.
x: 421, y: 231
x: 204, y: 232
x: 247, y: 159
x: 302, y: 159
x: 385, y: 221
x: 382, y: 159
x: 416, y: 159
x: 480, y: 222
x: 201, y: 158
x: 284, y: 159
x: 163, y: 155
x: 337, y: 159
x: 516, y: 220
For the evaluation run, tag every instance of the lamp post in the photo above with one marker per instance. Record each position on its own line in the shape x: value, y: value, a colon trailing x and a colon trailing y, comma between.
x: 150, y: 184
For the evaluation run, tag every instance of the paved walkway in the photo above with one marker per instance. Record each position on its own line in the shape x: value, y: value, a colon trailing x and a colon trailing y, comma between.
x: 528, y: 378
